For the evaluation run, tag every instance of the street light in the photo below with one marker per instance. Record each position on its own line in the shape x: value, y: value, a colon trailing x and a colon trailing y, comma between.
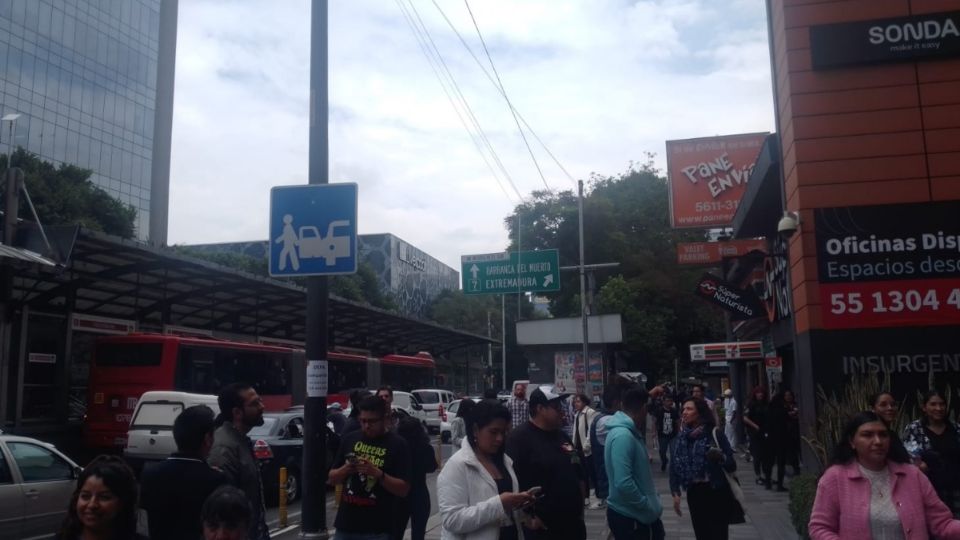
x: 12, y: 118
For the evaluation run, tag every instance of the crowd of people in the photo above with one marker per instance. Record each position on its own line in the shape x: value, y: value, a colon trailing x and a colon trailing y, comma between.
x: 525, y: 469
x: 209, y: 489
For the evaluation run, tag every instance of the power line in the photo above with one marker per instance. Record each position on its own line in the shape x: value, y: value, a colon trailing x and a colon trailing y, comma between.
x: 494, y: 83
x: 421, y: 41
x: 463, y: 100
x: 503, y: 91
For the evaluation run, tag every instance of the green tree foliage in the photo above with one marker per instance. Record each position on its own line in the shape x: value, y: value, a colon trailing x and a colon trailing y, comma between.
x: 65, y: 195
x: 363, y: 287
x: 626, y: 220
x: 466, y: 312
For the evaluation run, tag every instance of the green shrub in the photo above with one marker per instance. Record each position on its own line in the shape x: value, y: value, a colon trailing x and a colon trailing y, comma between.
x: 803, y: 489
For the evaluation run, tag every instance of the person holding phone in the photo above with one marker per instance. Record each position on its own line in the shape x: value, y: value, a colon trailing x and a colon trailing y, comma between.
x: 477, y: 489
x: 373, y: 465
x: 544, y: 456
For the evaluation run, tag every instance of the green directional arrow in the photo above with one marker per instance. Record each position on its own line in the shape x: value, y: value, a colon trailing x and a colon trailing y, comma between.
x: 504, y: 273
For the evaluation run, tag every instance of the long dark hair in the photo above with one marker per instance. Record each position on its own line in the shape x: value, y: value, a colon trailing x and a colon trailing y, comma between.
x: 117, y: 476
x: 876, y: 397
x: 482, y: 415
x: 466, y: 405
x: 412, y: 431
x: 753, y: 395
x: 844, y: 453
x: 703, y: 412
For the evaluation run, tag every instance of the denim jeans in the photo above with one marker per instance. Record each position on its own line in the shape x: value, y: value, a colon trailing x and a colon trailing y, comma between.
x: 340, y: 535
x: 627, y: 528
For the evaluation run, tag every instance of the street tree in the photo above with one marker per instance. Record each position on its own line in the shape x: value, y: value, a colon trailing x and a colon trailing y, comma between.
x: 626, y: 220
x: 65, y: 195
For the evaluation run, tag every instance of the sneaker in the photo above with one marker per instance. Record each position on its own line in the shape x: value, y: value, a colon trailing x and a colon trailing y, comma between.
x: 586, y: 502
x: 602, y: 503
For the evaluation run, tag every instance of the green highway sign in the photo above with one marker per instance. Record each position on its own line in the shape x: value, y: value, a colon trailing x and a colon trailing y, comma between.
x: 511, y: 272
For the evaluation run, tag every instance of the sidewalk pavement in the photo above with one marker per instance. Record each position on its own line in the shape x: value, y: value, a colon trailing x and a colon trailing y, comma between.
x: 767, y: 513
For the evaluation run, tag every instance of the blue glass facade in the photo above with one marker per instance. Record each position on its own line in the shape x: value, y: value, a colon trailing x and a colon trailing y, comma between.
x: 83, y: 76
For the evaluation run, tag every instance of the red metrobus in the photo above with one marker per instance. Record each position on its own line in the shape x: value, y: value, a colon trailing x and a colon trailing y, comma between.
x: 124, y: 367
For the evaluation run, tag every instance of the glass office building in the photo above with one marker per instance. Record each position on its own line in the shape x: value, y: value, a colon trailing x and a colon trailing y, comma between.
x: 92, y: 81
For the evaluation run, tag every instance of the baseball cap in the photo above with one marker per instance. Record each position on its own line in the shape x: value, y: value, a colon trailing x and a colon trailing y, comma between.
x: 544, y: 394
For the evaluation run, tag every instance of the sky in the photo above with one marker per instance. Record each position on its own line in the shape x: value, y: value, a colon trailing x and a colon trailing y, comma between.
x: 600, y: 82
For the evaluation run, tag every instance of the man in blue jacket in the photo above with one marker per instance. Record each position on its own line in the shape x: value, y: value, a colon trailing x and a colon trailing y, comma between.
x: 633, y: 505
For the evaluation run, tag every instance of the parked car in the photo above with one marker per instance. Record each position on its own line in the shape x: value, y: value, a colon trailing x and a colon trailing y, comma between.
x: 410, y: 404
x: 435, y: 403
x: 36, y: 482
x: 445, y: 429
x: 279, y: 443
x: 150, y: 436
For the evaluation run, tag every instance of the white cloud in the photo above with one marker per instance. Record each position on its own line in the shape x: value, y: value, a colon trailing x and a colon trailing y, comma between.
x: 601, y: 82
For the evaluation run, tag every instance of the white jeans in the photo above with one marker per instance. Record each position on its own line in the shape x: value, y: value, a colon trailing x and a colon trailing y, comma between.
x: 731, y: 434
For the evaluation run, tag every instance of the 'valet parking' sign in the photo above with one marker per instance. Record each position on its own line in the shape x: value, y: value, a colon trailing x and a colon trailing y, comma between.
x: 930, y: 35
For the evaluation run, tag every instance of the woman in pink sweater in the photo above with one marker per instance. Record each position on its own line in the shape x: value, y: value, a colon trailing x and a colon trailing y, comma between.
x: 867, y: 494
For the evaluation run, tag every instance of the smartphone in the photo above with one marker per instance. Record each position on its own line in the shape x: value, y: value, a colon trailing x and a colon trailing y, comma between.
x: 536, y: 491
x: 352, y: 458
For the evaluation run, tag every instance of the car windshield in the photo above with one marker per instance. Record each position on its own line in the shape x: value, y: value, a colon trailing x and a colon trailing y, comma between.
x: 152, y: 414
x: 428, y: 397
x: 265, y: 430
x: 453, y: 407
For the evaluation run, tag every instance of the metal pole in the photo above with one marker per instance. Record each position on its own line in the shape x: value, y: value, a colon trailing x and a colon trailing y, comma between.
x: 583, y: 282
x: 489, y: 377
x: 314, y: 518
x: 518, y: 267
x: 503, y: 338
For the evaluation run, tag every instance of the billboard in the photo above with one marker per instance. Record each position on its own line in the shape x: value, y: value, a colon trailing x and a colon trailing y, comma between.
x: 715, y: 252
x: 889, y: 265
x: 708, y: 177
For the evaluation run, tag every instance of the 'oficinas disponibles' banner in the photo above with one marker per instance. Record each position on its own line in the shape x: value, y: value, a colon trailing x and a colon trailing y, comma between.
x: 889, y: 266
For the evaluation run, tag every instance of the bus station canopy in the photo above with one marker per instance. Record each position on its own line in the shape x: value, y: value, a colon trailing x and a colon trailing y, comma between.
x: 106, y: 276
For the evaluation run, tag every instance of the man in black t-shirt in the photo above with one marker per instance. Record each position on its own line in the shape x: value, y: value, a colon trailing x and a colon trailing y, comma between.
x: 544, y: 456
x: 374, y: 467
x: 668, y: 425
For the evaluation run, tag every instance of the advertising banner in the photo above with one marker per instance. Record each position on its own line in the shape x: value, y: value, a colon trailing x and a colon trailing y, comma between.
x: 565, y: 376
x: 742, y: 304
x: 708, y: 177
x: 889, y: 265
x: 732, y: 350
x: 715, y: 252
x: 931, y: 35
x: 913, y: 357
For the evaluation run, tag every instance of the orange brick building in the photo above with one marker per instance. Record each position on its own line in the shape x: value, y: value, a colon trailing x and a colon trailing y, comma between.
x: 867, y: 153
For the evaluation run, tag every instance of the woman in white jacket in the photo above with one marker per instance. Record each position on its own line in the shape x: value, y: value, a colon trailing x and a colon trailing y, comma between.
x: 477, y: 488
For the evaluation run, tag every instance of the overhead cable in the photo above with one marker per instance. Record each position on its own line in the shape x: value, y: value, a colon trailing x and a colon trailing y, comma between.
x: 463, y: 100
x: 421, y: 41
x: 494, y: 83
x: 503, y: 92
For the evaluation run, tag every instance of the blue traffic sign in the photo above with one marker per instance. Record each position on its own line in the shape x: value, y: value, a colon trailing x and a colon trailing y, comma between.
x: 313, y: 230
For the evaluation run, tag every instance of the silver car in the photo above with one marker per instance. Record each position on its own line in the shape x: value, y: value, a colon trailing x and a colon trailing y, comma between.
x: 36, y: 482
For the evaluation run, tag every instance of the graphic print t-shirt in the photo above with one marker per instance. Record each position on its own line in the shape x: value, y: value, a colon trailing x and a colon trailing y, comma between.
x: 366, y: 507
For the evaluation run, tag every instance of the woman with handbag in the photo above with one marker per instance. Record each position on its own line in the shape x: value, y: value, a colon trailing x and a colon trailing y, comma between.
x: 702, y: 465
x: 869, y: 493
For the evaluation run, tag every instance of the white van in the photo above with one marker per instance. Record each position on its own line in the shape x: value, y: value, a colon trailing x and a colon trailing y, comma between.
x: 150, y: 436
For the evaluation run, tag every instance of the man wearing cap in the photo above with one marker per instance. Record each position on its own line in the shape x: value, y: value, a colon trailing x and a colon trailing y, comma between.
x: 730, y: 417
x: 543, y: 456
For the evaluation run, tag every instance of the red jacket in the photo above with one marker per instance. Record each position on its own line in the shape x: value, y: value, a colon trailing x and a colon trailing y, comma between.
x: 842, y: 507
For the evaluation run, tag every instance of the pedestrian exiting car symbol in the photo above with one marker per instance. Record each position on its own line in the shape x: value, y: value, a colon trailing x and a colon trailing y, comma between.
x: 309, y: 243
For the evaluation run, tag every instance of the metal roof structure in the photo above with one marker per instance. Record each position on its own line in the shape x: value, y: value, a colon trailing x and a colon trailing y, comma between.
x: 111, y: 277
